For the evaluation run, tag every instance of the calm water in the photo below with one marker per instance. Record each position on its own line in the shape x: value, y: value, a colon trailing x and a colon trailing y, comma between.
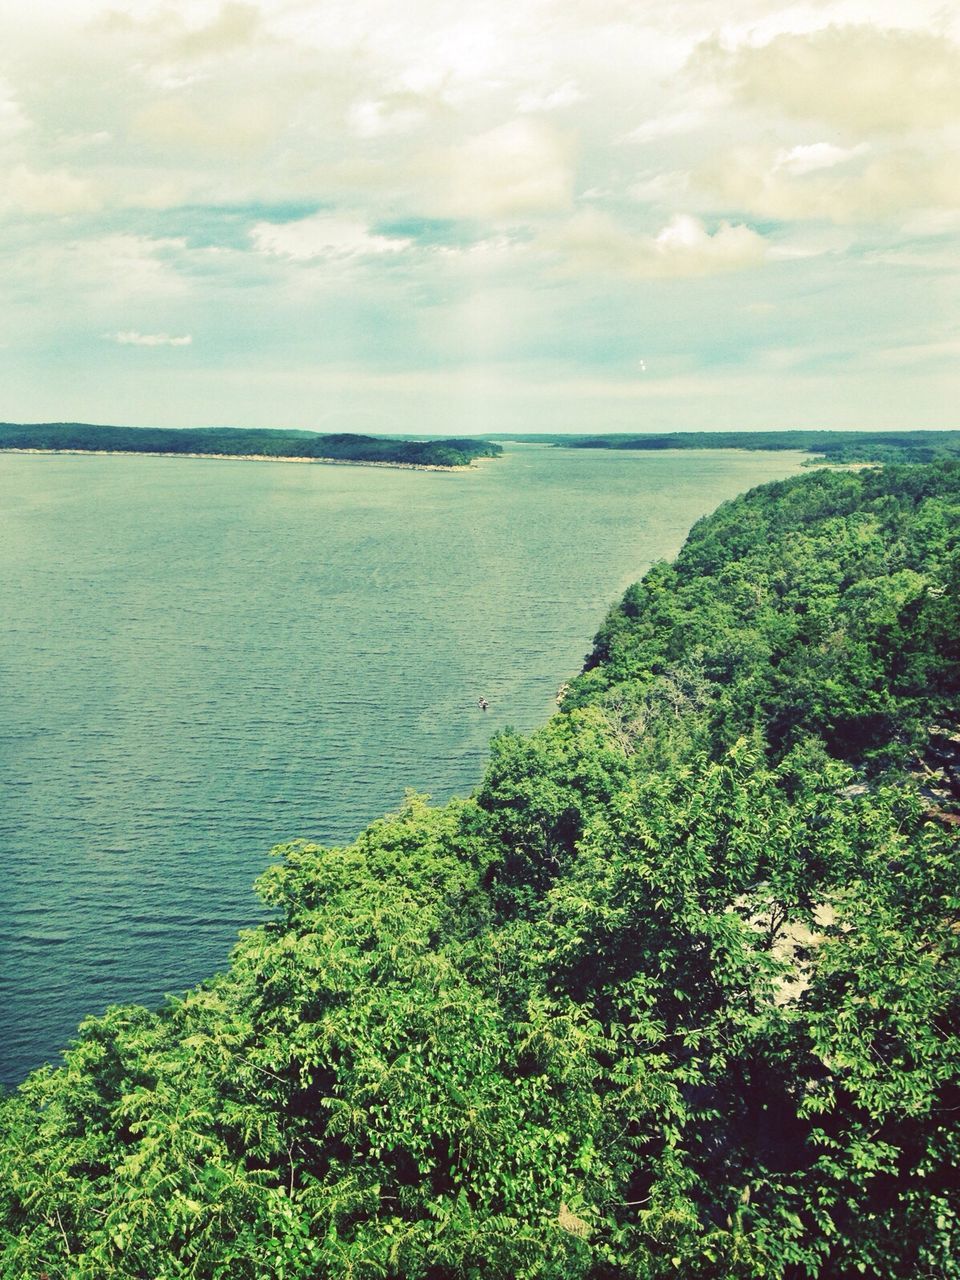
x: 199, y: 660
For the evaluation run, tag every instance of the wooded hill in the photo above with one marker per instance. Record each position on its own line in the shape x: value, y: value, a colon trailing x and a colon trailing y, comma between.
x: 244, y: 442
x: 675, y: 993
x: 832, y: 446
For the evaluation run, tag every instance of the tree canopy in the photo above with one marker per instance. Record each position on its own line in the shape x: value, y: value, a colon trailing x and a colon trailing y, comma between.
x: 245, y: 442
x: 833, y: 446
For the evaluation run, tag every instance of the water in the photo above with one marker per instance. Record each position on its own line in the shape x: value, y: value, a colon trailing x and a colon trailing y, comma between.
x: 199, y: 660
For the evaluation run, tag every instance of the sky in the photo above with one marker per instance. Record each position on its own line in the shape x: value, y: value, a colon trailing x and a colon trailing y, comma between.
x: 512, y: 215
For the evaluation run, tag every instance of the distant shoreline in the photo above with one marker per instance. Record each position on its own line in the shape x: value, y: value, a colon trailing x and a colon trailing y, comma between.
x: 242, y: 457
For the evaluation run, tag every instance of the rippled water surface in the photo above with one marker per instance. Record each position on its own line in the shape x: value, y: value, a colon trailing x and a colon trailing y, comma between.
x: 199, y: 660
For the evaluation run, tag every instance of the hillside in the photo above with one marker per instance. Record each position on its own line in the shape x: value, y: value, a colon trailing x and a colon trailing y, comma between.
x: 831, y: 446
x: 244, y: 442
x: 675, y: 993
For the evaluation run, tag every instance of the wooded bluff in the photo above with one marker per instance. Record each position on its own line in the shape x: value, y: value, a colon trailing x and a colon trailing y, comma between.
x: 244, y: 442
x: 676, y: 992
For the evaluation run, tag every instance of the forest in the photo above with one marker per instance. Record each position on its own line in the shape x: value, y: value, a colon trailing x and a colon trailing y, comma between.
x: 832, y: 446
x: 829, y: 446
x: 674, y: 993
x: 245, y: 442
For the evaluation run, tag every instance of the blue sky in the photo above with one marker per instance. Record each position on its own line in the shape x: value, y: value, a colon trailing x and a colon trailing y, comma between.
x: 516, y: 216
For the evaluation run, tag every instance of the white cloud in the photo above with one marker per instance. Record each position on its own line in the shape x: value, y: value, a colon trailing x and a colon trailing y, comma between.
x: 130, y: 337
x: 667, y: 126
x: 666, y: 188
x: 687, y: 248
x: 397, y: 113
x: 842, y: 185
x: 54, y: 192
x: 323, y: 236
x: 179, y: 123
x: 700, y: 105
x: 861, y: 78
x: 13, y: 119
x: 520, y: 169
x: 926, y: 260
x: 537, y: 100
x: 946, y: 350
x: 814, y: 156
x: 110, y: 270
x: 236, y: 24
x: 593, y: 242
x: 933, y: 222
x: 174, y: 32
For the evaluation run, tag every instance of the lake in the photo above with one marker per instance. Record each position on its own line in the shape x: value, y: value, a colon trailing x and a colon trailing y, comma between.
x: 202, y: 659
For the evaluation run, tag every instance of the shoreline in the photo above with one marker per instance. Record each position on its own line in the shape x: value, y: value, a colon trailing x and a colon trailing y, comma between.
x: 243, y: 457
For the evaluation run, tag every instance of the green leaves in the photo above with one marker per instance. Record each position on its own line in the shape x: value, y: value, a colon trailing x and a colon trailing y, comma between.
x: 677, y: 993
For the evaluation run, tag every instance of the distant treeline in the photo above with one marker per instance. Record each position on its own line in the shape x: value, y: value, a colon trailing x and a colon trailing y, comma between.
x: 835, y: 446
x: 243, y: 442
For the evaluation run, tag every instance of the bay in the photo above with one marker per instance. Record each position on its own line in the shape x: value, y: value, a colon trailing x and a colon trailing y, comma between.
x: 202, y: 659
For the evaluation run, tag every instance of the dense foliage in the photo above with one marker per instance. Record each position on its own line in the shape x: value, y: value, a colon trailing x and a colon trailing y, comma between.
x: 834, y: 446
x: 676, y: 993
x: 244, y: 442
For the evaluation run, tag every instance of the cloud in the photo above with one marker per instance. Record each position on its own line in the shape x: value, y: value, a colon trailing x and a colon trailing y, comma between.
x: 519, y: 169
x: 323, y: 236
x: 130, y: 337
x: 593, y: 242
x: 864, y: 79
x: 172, y: 36
x: 933, y: 222
x: 564, y: 95
x: 667, y: 188
x: 108, y: 270
x: 685, y: 247
x: 667, y: 126
x: 54, y: 192
x: 396, y: 113
x: 835, y: 184
x: 946, y: 351
x: 701, y: 104
x: 815, y: 156
x: 245, y: 124
x: 12, y: 118
x: 235, y: 25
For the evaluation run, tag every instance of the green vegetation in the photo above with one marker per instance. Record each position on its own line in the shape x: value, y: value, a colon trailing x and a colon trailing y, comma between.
x: 676, y: 993
x: 239, y: 442
x: 833, y: 446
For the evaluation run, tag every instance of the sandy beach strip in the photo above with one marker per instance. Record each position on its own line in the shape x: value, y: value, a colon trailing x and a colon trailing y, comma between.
x: 241, y: 457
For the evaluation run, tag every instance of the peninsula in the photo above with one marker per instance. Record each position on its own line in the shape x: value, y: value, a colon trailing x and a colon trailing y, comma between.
x: 827, y: 446
x: 248, y: 443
